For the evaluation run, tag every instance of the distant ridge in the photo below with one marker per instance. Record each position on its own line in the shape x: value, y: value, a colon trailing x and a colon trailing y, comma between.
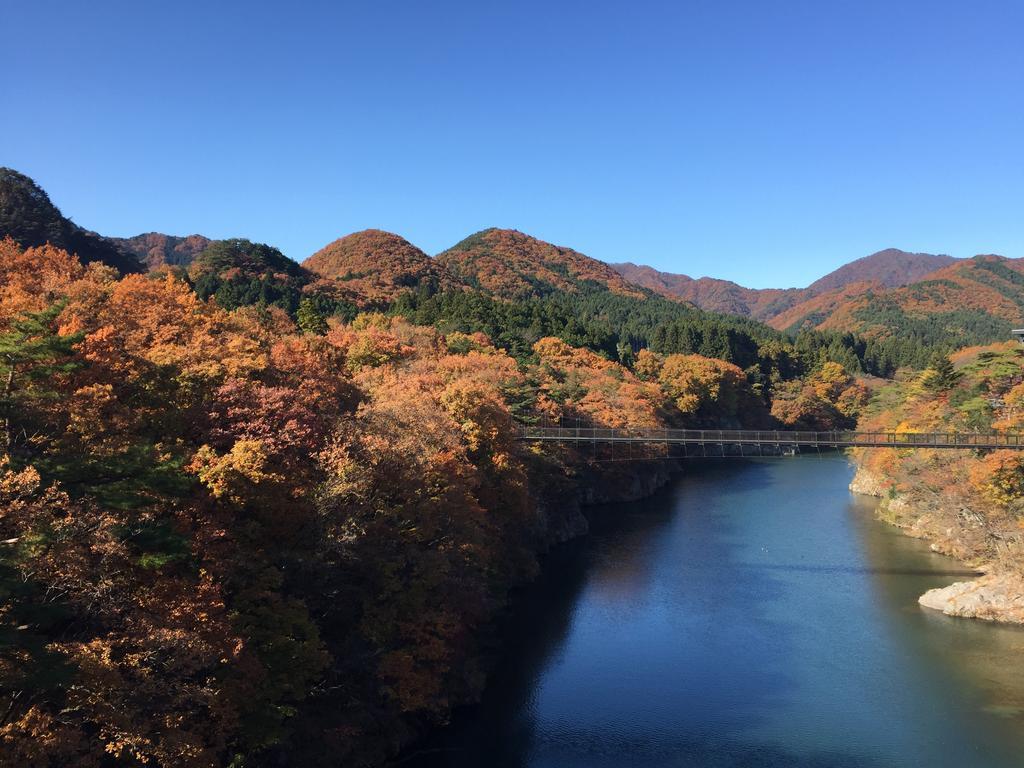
x: 711, y: 293
x: 156, y: 250
x: 981, y: 297
x: 912, y: 298
x: 916, y: 297
x: 888, y: 268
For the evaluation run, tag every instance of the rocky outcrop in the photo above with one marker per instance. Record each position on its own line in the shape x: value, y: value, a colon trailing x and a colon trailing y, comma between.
x: 562, y: 522
x: 955, y: 531
x: 867, y: 484
x: 991, y: 598
x: 638, y: 482
x: 564, y: 516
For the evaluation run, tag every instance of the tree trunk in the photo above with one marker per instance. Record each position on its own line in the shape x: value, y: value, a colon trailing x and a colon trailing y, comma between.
x: 5, y: 403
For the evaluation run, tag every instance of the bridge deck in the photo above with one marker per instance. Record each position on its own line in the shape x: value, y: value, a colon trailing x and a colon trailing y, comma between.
x: 780, y: 438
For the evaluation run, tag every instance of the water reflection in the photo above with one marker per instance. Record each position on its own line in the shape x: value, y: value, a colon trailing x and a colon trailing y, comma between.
x: 752, y: 614
x: 985, y: 660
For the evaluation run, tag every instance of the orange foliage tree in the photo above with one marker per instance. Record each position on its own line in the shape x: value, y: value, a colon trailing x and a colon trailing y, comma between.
x: 999, y: 476
x: 578, y: 383
x: 828, y: 399
x: 224, y: 539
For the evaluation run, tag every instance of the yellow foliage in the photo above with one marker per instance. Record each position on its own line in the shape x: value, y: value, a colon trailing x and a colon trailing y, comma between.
x: 829, y: 381
x: 581, y: 383
x: 698, y: 383
x: 1000, y: 477
x: 229, y: 475
x: 648, y: 365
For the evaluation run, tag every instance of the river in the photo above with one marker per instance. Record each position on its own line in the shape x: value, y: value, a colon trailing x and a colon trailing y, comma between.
x: 754, y: 613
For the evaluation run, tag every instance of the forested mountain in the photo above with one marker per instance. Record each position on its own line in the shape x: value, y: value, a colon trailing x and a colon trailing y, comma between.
x: 971, y: 301
x: 889, y: 268
x: 904, y: 301
x: 902, y: 304
x: 240, y: 273
x: 30, y: 219
x: 156, y: 250
x: 374, y: 267
x: 510, y: 265
x: 711, y: 293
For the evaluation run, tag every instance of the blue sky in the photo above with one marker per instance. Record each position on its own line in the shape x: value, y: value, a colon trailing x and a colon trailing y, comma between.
x: 763, y: 142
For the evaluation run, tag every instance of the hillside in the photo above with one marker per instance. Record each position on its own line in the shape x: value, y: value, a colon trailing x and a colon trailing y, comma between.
x: 29, y: 217
x: 711, y: 293
x: 973, y: 301
x: 829, y: 309
x: 967, y: 504
x: 269, y: 512
x: 239, y: 273
x: 557, y: 291
x: 374, y: 266
x: 156, y: 250
x: 912, y: 299
x: 243, y: 257
x: 888, y: 268
x: 510, y: 265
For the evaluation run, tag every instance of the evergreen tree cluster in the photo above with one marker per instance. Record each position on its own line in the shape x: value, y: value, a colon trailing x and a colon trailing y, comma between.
x: 912, y: 341
x: 619, y: 326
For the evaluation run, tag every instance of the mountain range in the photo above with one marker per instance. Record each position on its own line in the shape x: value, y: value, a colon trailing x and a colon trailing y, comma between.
x: 890, y: 268
x: 887, y: 293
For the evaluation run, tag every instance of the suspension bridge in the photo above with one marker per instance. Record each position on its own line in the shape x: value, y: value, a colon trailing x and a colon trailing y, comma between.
x: 776, y: 441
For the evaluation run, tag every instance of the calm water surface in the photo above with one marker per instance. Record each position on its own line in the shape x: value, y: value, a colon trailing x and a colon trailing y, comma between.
x: 752, y: 614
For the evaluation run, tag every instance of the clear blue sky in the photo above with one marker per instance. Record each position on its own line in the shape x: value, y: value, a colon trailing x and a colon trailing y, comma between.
x: 764, y: 142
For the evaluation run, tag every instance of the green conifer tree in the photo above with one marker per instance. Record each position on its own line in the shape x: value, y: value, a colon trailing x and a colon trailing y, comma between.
x: 32, y: 355
x: 940, y: 375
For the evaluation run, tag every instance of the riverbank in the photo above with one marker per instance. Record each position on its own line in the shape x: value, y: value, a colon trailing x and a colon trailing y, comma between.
x: 563, y: 508
x: 711, y: 625
x: 953, y: 528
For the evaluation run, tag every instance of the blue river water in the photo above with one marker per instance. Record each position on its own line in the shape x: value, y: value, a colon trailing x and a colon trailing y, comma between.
x: 754, y: 613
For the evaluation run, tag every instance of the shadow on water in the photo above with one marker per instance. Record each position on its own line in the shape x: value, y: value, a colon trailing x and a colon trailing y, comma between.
x: 541, y: 616
x: 632, y: 649
x: 755, y: 614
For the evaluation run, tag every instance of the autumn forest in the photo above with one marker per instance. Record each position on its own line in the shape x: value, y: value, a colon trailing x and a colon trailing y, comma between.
x: 254, y: 510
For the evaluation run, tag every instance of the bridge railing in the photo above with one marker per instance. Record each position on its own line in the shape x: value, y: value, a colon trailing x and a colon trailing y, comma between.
x: 838, y: 439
